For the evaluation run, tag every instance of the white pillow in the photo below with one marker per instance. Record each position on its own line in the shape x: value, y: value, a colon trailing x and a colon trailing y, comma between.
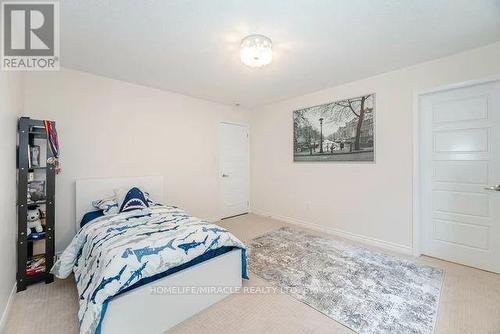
x: 108, y: 205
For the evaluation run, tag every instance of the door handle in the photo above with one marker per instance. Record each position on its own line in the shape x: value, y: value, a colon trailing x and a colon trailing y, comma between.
x: 493, y: 188
x: 225, y: 175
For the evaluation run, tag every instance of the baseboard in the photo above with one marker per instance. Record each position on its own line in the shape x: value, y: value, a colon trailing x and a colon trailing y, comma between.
x: 213, y: 220
x: 6, y: 311
x: 340, y: 233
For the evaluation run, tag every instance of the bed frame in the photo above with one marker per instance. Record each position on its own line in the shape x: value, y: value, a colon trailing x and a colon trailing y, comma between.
x: 148, y: 309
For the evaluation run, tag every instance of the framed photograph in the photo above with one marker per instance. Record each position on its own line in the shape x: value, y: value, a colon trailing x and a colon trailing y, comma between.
x: 36, y: 191
x: 34, y: 156
x: 338, y: 131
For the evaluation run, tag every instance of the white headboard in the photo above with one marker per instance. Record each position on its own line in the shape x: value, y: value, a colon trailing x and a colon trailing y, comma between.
x: 88, y: 190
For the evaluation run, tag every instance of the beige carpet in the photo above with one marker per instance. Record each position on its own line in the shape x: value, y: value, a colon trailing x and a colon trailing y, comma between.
x: 470, y: 303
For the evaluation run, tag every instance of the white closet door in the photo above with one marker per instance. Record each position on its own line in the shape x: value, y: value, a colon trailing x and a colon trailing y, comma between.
x: 460, y: 173
x: 234, y: 169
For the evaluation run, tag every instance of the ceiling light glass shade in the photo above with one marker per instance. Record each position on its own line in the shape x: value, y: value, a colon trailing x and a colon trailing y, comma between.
x: 256, y: 51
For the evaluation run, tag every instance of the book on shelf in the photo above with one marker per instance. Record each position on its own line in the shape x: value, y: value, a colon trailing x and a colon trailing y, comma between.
x: 35, y: 265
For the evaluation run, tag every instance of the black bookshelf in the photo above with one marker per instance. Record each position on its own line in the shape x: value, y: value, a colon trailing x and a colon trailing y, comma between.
x: 32, y: 131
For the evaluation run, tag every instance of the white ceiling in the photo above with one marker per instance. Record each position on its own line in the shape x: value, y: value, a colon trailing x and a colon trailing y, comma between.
x: 192, y: 47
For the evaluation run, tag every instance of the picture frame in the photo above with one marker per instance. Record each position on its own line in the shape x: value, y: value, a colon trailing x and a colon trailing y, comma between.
x: 36, y: 191
x: 338, y: 131
x: 34, y: 151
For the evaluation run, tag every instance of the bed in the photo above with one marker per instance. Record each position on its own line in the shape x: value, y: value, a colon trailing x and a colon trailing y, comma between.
x: 188, y: 254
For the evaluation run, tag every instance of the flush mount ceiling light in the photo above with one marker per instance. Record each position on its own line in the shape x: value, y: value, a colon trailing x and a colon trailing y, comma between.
x: 256, y: 51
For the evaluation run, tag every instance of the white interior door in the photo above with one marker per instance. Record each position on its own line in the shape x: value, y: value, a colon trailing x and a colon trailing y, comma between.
x: 234, y: 169
x: 460, y: 174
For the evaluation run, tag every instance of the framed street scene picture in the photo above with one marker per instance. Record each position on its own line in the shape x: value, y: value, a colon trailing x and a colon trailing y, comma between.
x: 338, y: 131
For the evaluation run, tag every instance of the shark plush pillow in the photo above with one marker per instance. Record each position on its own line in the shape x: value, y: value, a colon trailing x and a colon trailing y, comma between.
x: 134, y: 200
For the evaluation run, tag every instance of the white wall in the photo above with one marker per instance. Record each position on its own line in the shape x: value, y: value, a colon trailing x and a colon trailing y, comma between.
x: 10, y: 107
x: 112, y: 128
x: 371, y: 201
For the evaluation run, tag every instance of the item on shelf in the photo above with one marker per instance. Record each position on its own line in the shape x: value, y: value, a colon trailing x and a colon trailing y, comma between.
x: 34, y: 219
x: 31, y: 176
x: 36, y: 191
x: 53, y: 144
x: 29, y: 157
x: 37, y: 246
x: 36, y: 235
x: 34, y: 156
x: 35, y: 265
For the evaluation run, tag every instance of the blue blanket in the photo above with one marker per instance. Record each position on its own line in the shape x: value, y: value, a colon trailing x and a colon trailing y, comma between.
x: 116, y: 253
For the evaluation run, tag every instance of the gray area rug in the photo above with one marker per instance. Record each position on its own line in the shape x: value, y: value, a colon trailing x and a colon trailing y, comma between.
x: 367, y: 291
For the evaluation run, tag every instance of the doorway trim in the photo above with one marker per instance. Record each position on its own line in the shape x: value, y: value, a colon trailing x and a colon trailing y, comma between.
x: 416, y: 219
